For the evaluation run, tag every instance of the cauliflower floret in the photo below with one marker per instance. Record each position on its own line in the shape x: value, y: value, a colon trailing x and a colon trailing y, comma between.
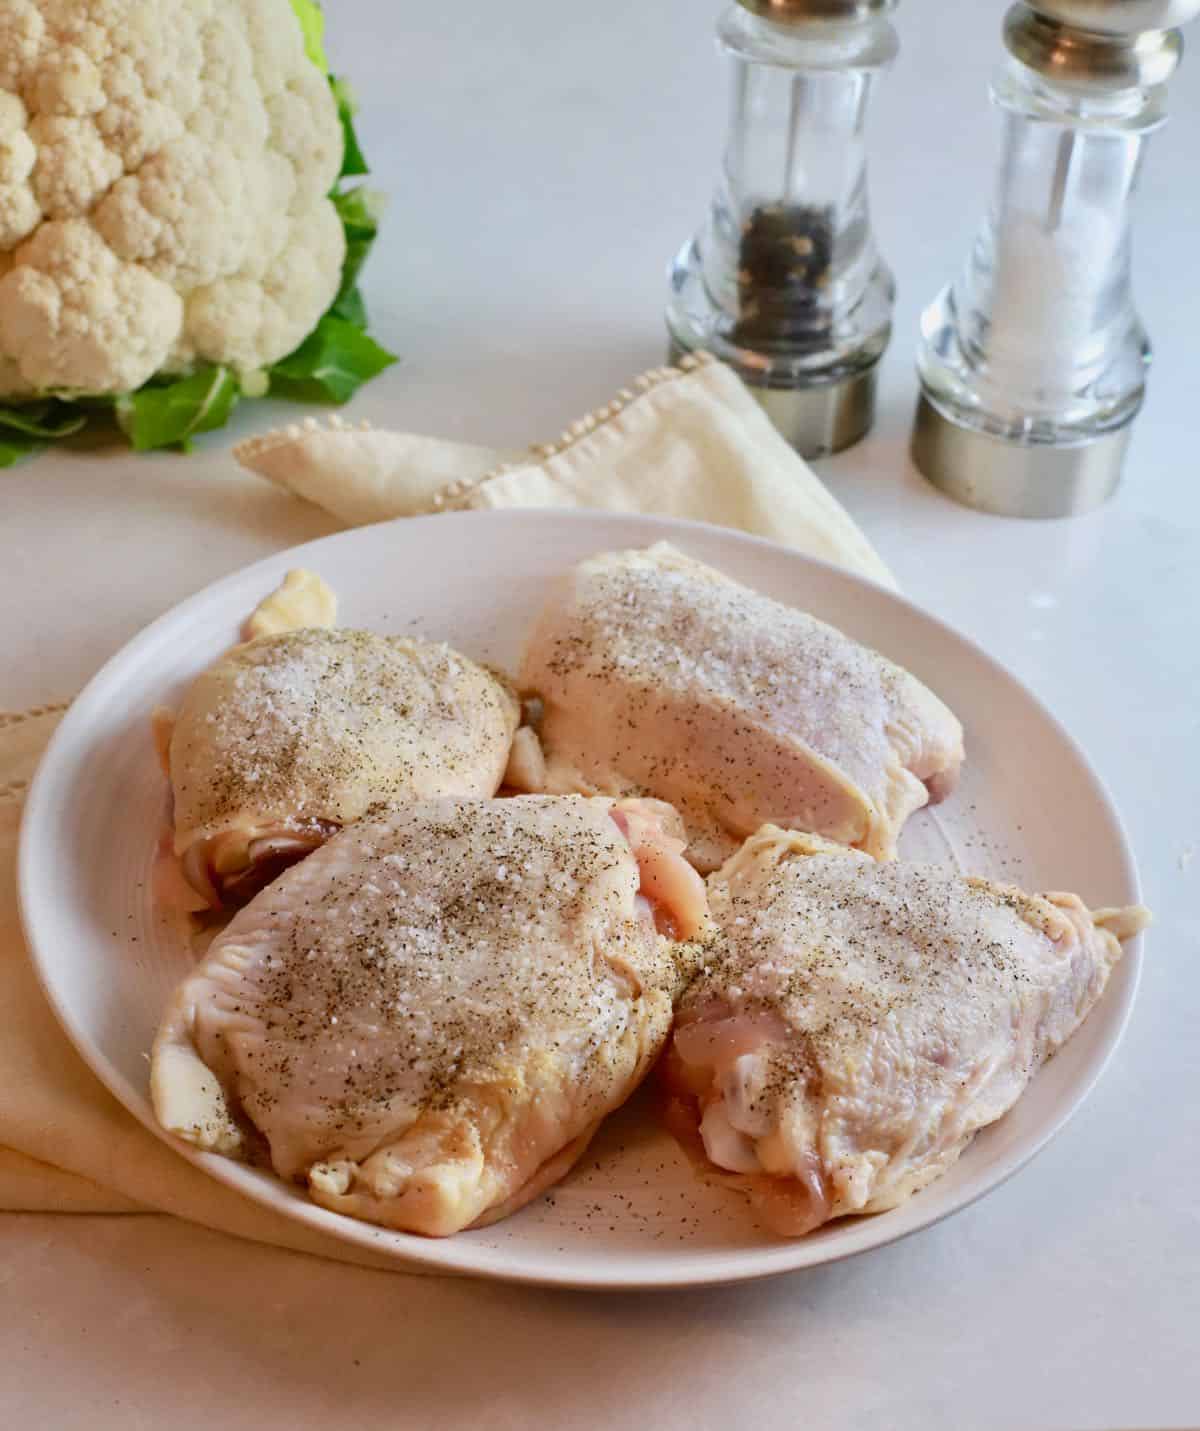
x: 22, y: 35
x: 74, y: 165
x: 162, y: 215
x: 19, y: 211
x: 19, y: 216
x: 306, y: 131
x: 68, y: 82
x: 72, y: 315
x: 13, y: 122
x: 237, y: 319
x: 232, y: 112
x: 152, y: 82
x: 186, y: 149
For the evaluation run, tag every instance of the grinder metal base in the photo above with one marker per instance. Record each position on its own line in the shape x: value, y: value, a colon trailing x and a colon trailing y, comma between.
x: 821, y: 420
x: 1016, y: 479
x: 817, y: 420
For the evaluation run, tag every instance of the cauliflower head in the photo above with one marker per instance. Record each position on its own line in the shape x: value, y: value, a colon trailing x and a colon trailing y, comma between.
x: 166, y: 169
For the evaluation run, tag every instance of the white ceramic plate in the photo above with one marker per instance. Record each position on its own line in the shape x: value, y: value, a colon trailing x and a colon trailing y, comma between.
x: 1029, y: 809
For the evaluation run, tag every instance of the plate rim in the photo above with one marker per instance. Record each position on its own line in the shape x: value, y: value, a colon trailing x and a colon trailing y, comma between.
x: 450, y: 1255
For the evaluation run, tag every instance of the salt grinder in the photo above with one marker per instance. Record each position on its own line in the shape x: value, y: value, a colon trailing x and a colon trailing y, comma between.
x: 1033, y: 361
x: 783, y: 281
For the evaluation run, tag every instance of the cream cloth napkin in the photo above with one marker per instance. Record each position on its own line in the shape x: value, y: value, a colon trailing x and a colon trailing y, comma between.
x: 687, y: 441
x: 682, y: 442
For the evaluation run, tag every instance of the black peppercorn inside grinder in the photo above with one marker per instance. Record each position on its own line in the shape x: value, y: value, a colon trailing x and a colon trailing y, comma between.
x: 784, y: 282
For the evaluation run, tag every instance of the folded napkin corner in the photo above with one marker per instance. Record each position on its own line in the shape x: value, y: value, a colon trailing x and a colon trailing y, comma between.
x: 686, y: 441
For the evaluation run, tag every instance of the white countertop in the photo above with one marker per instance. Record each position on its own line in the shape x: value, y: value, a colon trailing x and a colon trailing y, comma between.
x: 544, y: 161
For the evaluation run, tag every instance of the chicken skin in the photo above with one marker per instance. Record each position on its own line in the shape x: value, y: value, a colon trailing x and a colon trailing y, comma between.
x: 293, y: 735
x: 426, y: 1021
x: 660, y: 676
x: 856, y: 1023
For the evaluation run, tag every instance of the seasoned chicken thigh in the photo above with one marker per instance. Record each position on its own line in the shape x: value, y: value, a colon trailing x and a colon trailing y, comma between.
x: 661, y: 676
x: 293, y: 735
x: 856, y: 1023
x: 427, y: 1020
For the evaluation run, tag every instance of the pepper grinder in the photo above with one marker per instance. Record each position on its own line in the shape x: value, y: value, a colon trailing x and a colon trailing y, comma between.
x: 1033, y: 362
x: 783, y: 282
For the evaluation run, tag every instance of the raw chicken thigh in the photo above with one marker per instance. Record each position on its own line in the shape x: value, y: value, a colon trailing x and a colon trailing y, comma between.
x: 427, y: 1020
x: 293, y: 735
x: 660, y: 676
x: 856, y: 1023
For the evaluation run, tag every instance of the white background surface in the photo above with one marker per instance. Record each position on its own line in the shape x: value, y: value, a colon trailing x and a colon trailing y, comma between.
x: 544, y: 161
